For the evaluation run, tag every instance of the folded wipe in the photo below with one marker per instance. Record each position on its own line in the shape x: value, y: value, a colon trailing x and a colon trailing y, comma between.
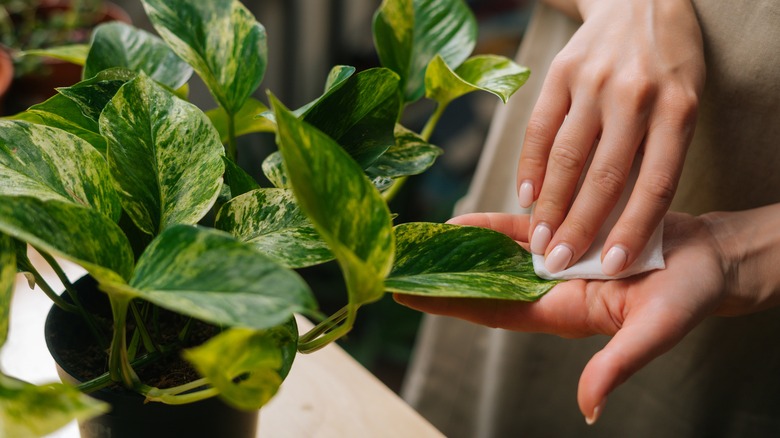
x: 589, y: 266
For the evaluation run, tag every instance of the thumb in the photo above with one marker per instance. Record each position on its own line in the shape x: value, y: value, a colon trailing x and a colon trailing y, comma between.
x: 632, y: 347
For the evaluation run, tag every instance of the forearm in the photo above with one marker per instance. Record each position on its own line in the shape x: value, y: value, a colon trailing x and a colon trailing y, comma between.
x: 749, y: 242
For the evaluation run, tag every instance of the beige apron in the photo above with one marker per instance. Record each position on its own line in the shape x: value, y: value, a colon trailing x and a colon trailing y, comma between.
x: 723, y: 379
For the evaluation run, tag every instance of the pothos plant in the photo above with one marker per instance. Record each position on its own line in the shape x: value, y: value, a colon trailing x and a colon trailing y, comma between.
x: 119, y: 172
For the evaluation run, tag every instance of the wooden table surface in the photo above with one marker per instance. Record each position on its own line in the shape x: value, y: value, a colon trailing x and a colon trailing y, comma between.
x: 327, y: 393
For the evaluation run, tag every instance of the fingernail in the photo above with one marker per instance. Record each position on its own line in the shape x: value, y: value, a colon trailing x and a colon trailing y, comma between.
x: 596, y: 413
x: 526, y: 194
x: 558, y: 259
x: 540, y: 239
x: 614, y: 261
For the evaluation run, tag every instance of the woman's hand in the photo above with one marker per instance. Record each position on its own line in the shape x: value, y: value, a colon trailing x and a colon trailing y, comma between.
x: 627, y: 82
x: 721, y: 264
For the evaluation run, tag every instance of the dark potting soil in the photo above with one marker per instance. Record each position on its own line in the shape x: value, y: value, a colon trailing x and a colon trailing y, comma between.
x: 79, y: 354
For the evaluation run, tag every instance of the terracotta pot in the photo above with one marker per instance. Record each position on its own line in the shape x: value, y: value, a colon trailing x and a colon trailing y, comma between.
x: 130, y: 417
x: 6, y: 76
x: 36, y: 87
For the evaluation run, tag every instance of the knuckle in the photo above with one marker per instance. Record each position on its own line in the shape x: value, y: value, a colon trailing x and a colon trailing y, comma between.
x: 609, y: 180
x: 538, y: 132
x: 568, y: 159
x: 661, y: 188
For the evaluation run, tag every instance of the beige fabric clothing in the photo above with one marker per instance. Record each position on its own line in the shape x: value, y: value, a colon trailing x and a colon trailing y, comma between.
x: 723, y: 379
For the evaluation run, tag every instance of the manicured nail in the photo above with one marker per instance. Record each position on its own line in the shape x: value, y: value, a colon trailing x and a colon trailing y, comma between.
x: 540, y: 239
x: 596, y: 413
x: 558, y: 259
x: 614, y: 261
x: 526, y: 194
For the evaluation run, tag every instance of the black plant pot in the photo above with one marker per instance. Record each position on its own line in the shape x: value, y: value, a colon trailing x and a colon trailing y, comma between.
x: 130, y: 417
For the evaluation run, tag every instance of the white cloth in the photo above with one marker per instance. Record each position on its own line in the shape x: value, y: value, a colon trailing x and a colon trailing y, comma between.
x: 589, y: 265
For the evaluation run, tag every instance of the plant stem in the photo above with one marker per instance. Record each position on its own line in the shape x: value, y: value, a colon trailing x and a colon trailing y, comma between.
x: 71, y: 291
x: 118, y: 362
x: 328, y: 330
x: 56, y: 299
x: 430, y: 125
x: 141, y: 328
x: 161, y: 395
x: 232, y: 149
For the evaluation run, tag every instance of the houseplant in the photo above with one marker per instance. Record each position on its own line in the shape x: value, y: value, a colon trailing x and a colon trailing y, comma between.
x: 119, y: 172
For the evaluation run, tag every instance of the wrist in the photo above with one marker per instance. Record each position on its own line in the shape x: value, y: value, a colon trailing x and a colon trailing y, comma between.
x: 748, y: 243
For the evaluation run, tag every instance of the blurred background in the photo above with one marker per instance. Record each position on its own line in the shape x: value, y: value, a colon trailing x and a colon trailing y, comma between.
x: 305, y: 39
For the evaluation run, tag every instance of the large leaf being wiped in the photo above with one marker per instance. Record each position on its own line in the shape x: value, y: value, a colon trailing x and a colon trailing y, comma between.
x: 70, y: 231
x: 117, y: 44
x: 347, y: 211
x: 49, y: 163
x: 456, y: 261
x: 495, y: 74
x: 164, y: 155
x: 211, y: 276
x: 409, y: 33
x: 271, y: 220
x: 221, y: 40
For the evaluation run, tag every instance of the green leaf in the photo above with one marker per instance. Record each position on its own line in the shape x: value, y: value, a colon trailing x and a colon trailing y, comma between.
x: 457, y: 261
x: 360, y: 114
x: 409, y: 33
x: 271, y: 220
x: 346, y: 210
x: 246, y: 366
x: 495, y: 74
x: 70, y: 231
x: 7, y: 281
x: 237, y: 179
x: 209, y: 275
x: 116, y: 44
x: 411, y: 155
x: 93, y: 94
x: 73, y: 53
x: 273, y: 169
x: 49, y: 163
x: 61, y: 112
x: 27, y: 410
x: 164, y: 155
x: 246, y: 120
x: 221, y: 40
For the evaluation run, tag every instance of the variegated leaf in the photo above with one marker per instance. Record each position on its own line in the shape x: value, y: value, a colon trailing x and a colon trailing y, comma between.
x: 93, y: 94
x: 49, y: 163
x: 360, y: 114
x: 347, y: 211
x: 29, y: 411
x: 271, y: 220
x: 246, y: 366
x: 495, y: 74
x: 457, y: 261
x: 73, y: 53
x: 209, y: 275
x: 237, y: 179
x: 7, y: 281
x: 164, y: 155
x: 409, y: 33
x: 116, y: 44
x: 411, y: 155
x: 273, y: 169
x: 246, y: 120
x: 70, y: 231
x: 61, y: 112
x: 220, y: 39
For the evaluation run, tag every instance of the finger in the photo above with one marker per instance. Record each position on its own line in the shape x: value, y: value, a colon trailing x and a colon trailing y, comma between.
x: 563, y: 311
x: 601, y: 190
x: 632, y: 347
x: 513, y: 225
x: 662, y: 164
x: 547, y: 116
x: 567, y: 160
